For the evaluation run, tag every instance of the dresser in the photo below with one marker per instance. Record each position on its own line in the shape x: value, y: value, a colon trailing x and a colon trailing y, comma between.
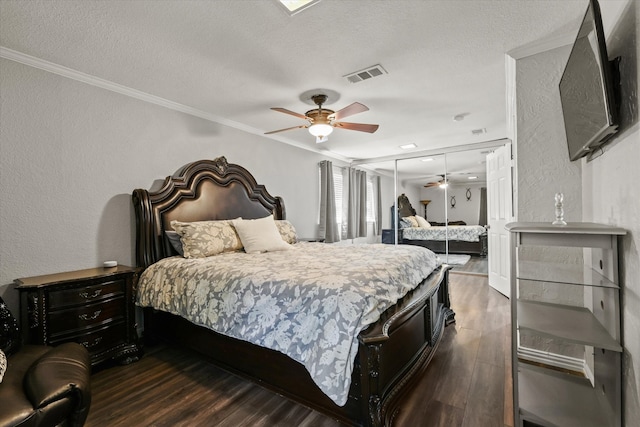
x: 94, y: 307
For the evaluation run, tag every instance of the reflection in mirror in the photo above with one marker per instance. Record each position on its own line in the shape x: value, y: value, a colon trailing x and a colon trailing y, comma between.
x: 425, y: 186
x: 414, y: 176
x: 431, y: 186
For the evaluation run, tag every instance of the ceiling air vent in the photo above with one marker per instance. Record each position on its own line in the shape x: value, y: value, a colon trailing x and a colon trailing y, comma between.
x: 367, y: 73
x: 479, y: 131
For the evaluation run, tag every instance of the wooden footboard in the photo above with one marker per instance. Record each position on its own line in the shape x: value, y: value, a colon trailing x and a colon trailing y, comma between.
x: 455, y: 246
x: 392, y: 352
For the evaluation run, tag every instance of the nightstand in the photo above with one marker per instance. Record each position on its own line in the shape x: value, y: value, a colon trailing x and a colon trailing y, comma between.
x: 94, y: 307
x: 388, y: 236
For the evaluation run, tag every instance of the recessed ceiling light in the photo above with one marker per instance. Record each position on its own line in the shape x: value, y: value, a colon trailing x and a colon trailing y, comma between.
x: 472, y: 177
x: 460, y: 117
x: 428, y: 159
x: 407, y: 146
x: 295, y: 6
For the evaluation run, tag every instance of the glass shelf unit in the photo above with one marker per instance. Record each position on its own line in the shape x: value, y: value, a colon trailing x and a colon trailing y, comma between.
x: 588, y: 315
x: 562, y: 273
x: 551, y: 398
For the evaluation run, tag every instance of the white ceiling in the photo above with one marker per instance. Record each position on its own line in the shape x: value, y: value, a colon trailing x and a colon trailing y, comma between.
x: 233, y: 59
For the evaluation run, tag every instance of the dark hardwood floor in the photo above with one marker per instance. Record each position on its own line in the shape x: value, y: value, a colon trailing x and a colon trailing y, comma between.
x: 468, y: 382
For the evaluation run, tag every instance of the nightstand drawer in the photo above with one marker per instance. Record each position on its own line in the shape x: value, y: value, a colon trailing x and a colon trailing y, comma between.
x: 94, y: 307
x: 86, y: 294
x: 98, y: 340
x: 85, y: 317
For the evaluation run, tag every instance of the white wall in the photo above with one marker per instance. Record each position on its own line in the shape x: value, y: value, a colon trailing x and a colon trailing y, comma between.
x: 611, y: 196
x: 602, y: 190
x: 543, y: 169
x: 465, y: 210
x: 71, y: 154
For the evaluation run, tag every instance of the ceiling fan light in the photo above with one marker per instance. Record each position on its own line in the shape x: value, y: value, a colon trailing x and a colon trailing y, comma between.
x: 443, y: 185
x: 320, y: 130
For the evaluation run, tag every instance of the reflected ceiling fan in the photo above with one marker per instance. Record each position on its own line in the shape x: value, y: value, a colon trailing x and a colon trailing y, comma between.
x: 321, y: 121
x: 440, y: 183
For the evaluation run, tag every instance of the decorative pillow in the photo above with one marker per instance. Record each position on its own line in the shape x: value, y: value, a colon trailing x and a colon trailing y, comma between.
x: 9, y: 331
x: 422, y: 223
x: 201, y: 239
x: 287, y: 231
x: 260, y: 235
x: 404, y: 223
x: 411, y: 220
x: 174, y: 239
x: 3, y: 365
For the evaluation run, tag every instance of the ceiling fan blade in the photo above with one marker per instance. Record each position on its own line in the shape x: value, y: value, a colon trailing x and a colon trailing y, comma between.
x: 362, y: 127
x: 293, y: 113
x: 282, y: 130
x: 349, y: 110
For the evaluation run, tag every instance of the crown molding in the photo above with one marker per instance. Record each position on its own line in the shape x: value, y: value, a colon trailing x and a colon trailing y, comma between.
x: 543, y: 45
x: 51, y: 67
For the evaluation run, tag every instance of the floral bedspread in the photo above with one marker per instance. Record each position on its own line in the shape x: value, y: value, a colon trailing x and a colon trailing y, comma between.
x: 309, y: 303
x: 465, y: 233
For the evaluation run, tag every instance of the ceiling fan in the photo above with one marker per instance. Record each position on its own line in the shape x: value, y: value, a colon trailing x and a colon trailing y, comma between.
x: 321, y: 121
x: 440, y: 183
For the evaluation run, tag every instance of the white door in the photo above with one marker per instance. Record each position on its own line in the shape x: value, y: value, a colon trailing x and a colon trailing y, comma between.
x: 499, y: 212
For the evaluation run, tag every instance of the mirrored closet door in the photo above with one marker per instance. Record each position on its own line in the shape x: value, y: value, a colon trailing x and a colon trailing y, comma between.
x: 448, y: 191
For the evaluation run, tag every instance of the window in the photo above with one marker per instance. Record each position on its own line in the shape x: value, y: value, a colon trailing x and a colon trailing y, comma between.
x: 341, y: 189
x: 337, y: 188
x: 371, y: 216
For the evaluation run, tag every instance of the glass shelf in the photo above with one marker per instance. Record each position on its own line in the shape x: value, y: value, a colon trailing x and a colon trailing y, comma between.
x: 572, y: 274
x: 573, y: 324
x: 552, y: 398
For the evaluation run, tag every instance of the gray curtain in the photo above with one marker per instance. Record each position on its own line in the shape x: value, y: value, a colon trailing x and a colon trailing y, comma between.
x: 328, y: 229
x: 482, y: 220
x: 377, y: 193
x: 357, y: 204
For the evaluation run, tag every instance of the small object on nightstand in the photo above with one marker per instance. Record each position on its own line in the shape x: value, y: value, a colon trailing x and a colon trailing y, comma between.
x: 93, y: 307
x: 109, y: 264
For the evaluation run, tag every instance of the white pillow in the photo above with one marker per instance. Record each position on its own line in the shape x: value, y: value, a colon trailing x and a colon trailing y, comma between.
x: 260, y: 235
x: 422, y: 223
x: 411, y: 220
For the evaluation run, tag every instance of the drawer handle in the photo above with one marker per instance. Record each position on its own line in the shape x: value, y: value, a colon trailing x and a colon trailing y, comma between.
x: 87, y: 317
x: 95, y: 293
x: 93, y: 344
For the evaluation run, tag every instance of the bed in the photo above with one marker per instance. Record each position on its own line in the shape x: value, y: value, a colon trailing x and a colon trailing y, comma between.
x: 384, y: 357
x: 461, y: 238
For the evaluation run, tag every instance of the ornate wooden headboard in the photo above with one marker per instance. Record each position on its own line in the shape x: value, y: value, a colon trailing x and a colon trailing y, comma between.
x: 200, y: 191
x: 404, y: 206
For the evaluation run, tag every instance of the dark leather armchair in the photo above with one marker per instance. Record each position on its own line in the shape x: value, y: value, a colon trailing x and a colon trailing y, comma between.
x: 44, y: 386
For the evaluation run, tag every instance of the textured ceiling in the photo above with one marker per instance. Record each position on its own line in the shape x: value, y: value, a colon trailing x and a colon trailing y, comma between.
x: 234, y: 59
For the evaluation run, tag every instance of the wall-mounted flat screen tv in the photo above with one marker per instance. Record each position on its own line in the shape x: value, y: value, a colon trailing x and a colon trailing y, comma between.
x: 587, y: 89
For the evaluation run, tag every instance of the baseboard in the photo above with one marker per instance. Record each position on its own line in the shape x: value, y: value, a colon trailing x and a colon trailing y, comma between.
x: 560, y: 362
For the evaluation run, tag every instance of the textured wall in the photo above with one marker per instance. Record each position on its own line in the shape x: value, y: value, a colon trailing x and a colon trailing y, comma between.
x: 543, y: 169
x: 465, y: 210
x: 541, y: 152
x: 610, y: 194
x: 71, y: 154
